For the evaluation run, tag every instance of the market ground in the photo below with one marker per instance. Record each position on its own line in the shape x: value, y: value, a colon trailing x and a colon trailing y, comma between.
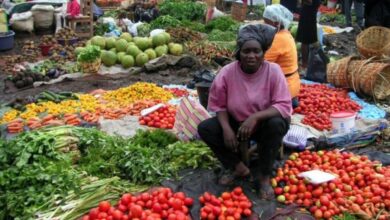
x: 342, y: 43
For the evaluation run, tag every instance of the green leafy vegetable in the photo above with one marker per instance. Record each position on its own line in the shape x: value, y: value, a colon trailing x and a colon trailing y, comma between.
x: 218, y: 35
x: 183, y: 10
x: 223, y: 23
x: 164, y: 22
x: 89, y: 54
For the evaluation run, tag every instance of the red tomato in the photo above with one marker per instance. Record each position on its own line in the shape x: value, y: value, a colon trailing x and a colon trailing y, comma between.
x: 93, y: 213
x: 247, y: 212
x: 104, y: 206
x: 85, y: 217
x: 157, y: 208
x: 136, y: 211
x: 117, y: 215
x: 102, y: 215
x: 180, y: 195
x: 188, y: 201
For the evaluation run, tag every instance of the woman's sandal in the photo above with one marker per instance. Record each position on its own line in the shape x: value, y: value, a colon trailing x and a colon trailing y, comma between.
x: 228, y: 178
x: 266, y: 192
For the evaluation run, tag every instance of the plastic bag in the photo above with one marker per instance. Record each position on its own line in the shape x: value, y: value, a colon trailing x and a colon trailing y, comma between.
x: 188, y: 116
x: 202, y: 76
x: 316, y: 69
x: 21, y: 16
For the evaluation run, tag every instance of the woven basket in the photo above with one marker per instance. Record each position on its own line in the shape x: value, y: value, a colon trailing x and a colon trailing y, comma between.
x: 374, y: 41
x: 370, y: 78
x: 337, y: 72
x: 354, y: 71
x: 211, y: 3
x: 90, y: 67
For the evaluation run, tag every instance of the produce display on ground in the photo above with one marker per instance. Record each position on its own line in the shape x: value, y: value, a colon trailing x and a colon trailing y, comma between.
x: 59, y: 166
x: 317, y: 102
x: 361, y: 186
x: 58, y: 110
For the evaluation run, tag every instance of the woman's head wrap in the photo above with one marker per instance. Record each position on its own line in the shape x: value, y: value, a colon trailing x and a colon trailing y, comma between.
x: 262, y: 33
x: 280, y: 14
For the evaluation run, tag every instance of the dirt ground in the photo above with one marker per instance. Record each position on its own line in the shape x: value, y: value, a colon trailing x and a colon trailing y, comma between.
x: 344, y: 43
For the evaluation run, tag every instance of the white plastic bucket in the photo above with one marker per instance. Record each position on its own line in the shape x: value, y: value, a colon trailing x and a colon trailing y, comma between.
x: 331, y: 4
x: 343, y: 122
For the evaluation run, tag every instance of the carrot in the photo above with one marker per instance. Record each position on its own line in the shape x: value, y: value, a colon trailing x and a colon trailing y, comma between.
x: 36, y: 125
x: 53, y: 122
x: 48, y: 118
x: 70, y: 117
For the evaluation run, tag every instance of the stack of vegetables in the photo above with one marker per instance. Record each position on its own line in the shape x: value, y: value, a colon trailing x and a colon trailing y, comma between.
x: 62, y: 172
x: 52, y: 109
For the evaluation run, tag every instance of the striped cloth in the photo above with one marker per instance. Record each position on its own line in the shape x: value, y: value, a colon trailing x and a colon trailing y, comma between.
x: 188, y: 116
x: 296, y: 137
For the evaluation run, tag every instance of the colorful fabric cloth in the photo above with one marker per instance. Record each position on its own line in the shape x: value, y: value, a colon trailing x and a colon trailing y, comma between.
x: 242, y: 94
x: 73, y: 8
x: 284, y: 52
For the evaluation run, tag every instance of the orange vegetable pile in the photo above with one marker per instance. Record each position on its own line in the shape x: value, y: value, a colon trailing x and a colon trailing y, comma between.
x: 362, y: 186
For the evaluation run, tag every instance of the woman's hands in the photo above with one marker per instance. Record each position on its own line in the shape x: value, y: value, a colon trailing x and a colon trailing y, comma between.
x: 230, y: 139
x: 247, y: 128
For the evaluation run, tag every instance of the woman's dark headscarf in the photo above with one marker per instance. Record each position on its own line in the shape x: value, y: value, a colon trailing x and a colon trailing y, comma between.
x: 262, y: 33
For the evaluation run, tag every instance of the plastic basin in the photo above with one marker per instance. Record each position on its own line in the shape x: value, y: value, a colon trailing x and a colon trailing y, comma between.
x: 64, y: 42
x: 343, y: 122
x: 45, y: 49
x: 7, y: 40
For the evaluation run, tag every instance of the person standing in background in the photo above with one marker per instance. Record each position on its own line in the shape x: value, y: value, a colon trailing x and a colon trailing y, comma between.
x: 307, y: 28
x: 283, y: 50
x: 359, y: 11
x: 291, y: 5
x: 377, y: 13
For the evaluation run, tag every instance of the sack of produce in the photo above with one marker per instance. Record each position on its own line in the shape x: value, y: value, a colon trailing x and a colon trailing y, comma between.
x: 188, y: 116
x: 22, y: 21
x: 43, y: 15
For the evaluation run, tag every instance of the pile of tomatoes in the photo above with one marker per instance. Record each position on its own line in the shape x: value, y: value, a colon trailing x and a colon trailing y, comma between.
x: 361, y: 187
x: 164, y: 118
x: 229, y: 206
x: 160, y: 204
x: 318, y: 101
x: 178, y: 92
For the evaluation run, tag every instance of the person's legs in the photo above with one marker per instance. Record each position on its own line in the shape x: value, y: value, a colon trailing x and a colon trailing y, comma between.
x: 305, y: 55
x: 359, y: 11
x: 211, y: 133
x: 269, y: 136
x: 347, y: 12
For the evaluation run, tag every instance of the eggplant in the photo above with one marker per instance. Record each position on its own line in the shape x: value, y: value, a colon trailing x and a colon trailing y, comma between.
x: 51, y: 73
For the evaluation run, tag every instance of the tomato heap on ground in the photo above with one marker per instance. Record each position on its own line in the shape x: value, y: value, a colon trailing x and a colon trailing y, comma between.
x: 229, y: 206
x: 361, y: 187
x: 318, y: 101
x: 164, y: 117
x: 159, y: 204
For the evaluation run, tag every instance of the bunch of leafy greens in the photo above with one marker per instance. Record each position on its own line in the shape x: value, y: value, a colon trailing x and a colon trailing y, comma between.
x: 89, y: 54
x: 164, y: 22
x: 101, y: 28
x: 183, y: 10
x: 193, y: 25
x: 218, y: 35
x: 33, y: 173
x: 223, y: 23
x: 36, y: 174
x: 143, y: 30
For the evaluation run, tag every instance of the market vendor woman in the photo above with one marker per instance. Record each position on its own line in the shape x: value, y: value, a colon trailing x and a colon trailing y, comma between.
x: 252, y: 102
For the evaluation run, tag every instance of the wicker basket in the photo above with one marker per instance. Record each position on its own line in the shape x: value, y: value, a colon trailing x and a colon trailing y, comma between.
x: 374, y: 41
x: 370, y: 78
x: 337, y: 72
x: 211, y: 3
x: 354, y: 70
x: 90, y: 67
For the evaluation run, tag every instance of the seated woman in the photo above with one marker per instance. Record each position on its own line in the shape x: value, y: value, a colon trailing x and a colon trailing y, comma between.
x: 283, y: 50
x: 72, y: 9
x: 251, y: 99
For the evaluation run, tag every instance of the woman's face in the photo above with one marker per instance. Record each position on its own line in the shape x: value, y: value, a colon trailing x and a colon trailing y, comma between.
x: 251, y: 56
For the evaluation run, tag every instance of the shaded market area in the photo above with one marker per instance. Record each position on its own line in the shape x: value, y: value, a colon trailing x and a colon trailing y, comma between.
x: 101, y: 102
